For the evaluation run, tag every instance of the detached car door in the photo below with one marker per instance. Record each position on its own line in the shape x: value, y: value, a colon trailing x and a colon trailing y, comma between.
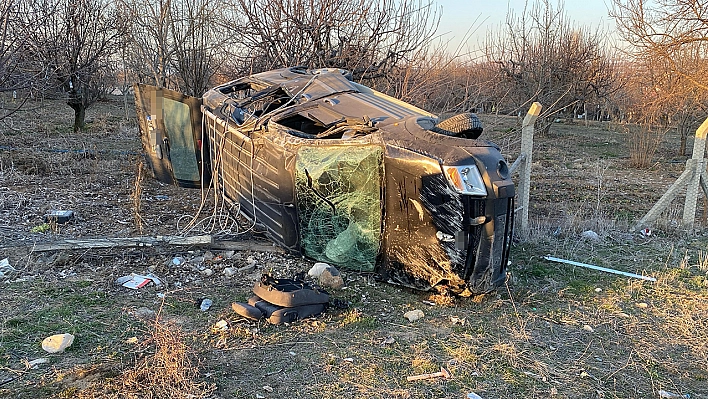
x: 171, y: 132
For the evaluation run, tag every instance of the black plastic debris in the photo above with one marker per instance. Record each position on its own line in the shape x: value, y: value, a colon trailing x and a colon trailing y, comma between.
x: 58, y: 217
x: 282, y: 301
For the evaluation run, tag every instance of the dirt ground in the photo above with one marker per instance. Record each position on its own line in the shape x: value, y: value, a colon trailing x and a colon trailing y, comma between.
x: 553, y: 331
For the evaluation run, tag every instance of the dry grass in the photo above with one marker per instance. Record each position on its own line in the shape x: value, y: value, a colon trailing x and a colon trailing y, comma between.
x: 554, y: 331
x: 166, y: 371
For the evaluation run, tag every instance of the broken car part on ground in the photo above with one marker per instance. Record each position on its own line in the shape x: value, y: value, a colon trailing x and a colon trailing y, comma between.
x: 343, y: 174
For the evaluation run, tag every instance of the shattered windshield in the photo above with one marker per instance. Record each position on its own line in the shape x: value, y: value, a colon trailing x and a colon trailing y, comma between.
x: 339, y: 204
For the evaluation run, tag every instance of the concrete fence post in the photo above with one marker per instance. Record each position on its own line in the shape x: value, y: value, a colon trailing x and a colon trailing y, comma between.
x: 693, y: 177
x: 527, y: 130
x: 692, y: 191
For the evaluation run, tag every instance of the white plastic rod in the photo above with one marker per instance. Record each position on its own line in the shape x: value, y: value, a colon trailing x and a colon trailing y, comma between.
x: 602, y: 269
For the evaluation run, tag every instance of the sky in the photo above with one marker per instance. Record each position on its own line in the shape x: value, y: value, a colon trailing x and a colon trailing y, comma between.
x: 481, y: 16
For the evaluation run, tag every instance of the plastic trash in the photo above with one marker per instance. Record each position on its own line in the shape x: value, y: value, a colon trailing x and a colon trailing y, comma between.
x: 670, y: 395
x: 317, y: 269
x: 5, y: 267
x: 205, y: 305
x: 59, y: 217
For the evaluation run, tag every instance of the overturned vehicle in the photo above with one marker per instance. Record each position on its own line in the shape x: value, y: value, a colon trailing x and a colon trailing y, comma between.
x: 343, y: 174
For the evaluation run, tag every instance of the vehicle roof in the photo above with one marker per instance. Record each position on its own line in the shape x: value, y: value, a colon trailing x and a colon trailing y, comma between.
x: 339, y: 93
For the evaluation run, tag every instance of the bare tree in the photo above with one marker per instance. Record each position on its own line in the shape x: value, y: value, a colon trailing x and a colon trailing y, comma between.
x: 368, y: 37
x: 177, y: 44
x: 669, y: 43
x: 541, y: 56
x: 12, y: 35
x: 149, y: 39
x: 670, y: 30
x: 71, y: 44
x: 199, y: 44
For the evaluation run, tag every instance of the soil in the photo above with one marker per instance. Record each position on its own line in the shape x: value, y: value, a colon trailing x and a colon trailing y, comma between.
x: 552, y: 331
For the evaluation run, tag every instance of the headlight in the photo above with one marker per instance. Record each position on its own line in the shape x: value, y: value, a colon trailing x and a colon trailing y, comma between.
x: 465, y: 179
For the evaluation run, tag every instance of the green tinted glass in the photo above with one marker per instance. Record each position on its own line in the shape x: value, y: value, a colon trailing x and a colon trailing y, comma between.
x: 178, y: 124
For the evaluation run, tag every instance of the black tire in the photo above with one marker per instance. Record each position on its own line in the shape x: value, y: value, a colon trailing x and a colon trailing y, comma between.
x: 465, y: 125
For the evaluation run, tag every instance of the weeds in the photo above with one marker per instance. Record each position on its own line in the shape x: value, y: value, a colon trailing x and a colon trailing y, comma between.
x: 168, y: 372
x: 136, y: 196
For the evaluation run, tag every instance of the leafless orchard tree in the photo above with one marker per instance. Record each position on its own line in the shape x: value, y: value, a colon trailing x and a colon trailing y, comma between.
x: 541, y: 56
x: 148, y: 39
x: 11, y: 38
x: 199, y: 43
x: 10, y: 44
x: 177, y: 44
x: 669, y: 44
x: 368, y: 37
x: 667, y: 29
x: 69, y: 47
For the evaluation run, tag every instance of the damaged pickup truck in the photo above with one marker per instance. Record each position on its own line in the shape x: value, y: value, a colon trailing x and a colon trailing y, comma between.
x: 340, y: 173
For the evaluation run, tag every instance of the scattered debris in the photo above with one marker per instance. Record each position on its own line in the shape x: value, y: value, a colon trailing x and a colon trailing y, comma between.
x: 598, y: 289
x: 161, y: 197
x: 268, y: 388
x: 230, y: 272
x: 642, y: 305
x: 132, y: 340
x: 57, y: 343
x: 645, y: 232
x: 442, y: 373
x: 250, y: 266
x: 590, y: 236
x: 282, y: 301
x: 135, y: 281
x: 42, y: 228
x: 585, y: 374
x: 221, y: 325
x: 473, y: 395
x: 205, y: 305
x: 458, y: 320
x: 602, y: 269
x: 349, y: 359
x: 331, y: 278
x: 327, y: 275
x: 588, y: 328
x: 414, y: 315
x: 317, y: 269
x: 177, y: 260
x: 670, y: 395
x: 388, y: 341
x: 123, y: 242
x: 58, y: 217
x: 5, y: 267
x: 34, y: 364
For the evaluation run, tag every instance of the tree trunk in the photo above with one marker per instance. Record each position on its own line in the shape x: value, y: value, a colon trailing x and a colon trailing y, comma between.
x: 683, y: 133
x: 79, y: 114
